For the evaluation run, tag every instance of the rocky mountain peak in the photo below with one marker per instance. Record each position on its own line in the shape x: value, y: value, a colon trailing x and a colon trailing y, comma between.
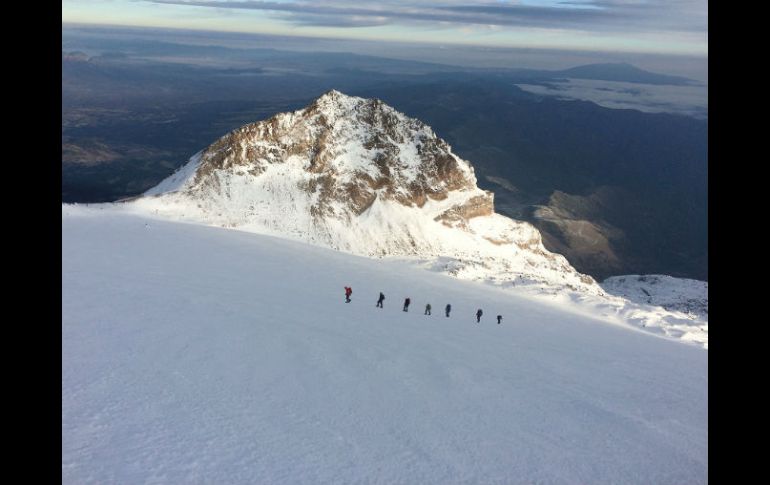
x: 352, y: 150
x: 356, y: 175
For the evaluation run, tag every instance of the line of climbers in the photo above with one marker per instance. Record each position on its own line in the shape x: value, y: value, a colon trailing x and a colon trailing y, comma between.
x: 407, y: 301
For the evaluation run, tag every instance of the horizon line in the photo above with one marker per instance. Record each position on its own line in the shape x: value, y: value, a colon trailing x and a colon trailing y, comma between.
x: 391, y: 41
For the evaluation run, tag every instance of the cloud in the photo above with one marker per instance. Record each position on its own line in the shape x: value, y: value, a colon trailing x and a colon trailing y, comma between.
x: 686, y: 100
x: 340, y: 21
x: 591, y: 15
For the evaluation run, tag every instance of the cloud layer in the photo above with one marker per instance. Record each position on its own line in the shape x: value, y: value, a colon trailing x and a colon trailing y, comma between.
x: 645, y: 16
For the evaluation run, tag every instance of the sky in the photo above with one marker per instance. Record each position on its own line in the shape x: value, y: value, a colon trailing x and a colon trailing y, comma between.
x: 669, y: 27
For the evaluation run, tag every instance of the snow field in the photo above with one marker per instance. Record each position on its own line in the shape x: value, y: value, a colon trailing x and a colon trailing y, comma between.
x: 194, y: 354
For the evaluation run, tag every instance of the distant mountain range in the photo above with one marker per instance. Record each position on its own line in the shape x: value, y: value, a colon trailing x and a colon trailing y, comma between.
x: 622, y: 72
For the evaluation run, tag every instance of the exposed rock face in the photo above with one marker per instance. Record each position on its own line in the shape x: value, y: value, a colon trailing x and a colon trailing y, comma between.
x: 480, y: 205
x: 573, y: 225
x: 354, y: 174
x: 410, y: 164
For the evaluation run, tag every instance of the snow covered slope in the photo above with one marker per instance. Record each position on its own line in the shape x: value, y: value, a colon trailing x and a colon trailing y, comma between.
x: 194, y: 354
x: 678, y: 294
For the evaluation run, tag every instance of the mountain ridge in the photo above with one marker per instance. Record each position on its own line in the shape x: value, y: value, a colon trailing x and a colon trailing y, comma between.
x: 623, y: 72
x: 356, y: 175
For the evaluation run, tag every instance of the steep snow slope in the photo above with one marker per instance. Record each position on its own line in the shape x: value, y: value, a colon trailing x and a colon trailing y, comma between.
x: 193, y: 354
